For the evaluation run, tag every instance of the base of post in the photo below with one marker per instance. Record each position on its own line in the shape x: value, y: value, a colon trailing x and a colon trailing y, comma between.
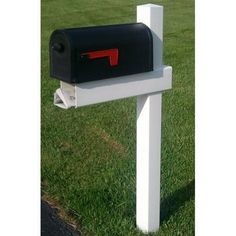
x: 146, y: 231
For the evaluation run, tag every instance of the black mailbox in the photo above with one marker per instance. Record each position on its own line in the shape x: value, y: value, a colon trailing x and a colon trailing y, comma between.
x: 92, y: 53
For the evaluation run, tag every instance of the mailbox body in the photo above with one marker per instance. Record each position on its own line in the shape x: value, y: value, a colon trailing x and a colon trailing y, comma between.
x: 92, y: 53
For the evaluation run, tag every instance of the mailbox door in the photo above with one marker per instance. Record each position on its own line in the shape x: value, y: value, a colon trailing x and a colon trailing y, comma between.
x: 60, y: 57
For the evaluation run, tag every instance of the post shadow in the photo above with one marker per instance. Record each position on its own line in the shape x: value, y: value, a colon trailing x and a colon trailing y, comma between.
x: 173, y: 202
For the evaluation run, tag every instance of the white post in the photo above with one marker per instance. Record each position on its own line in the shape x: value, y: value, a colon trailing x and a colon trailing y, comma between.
x: 149, y: 132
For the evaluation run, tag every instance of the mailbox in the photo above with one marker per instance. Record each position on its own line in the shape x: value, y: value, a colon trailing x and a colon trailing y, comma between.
x: 85, y: 54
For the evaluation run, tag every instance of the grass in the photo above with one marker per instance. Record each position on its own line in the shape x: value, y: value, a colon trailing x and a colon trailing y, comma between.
x: 88, y: 154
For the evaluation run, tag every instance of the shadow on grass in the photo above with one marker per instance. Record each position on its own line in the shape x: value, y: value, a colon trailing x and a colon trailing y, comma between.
x: 172, y: 203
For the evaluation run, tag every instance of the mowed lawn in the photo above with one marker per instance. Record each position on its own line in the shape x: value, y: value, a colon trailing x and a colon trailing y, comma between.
x: 88, y: 154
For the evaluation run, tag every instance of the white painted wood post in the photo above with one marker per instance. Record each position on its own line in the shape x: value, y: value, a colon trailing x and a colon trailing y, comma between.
x: 149, y: 132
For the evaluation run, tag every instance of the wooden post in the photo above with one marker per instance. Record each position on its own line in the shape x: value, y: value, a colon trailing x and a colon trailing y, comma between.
x: 149, y: 132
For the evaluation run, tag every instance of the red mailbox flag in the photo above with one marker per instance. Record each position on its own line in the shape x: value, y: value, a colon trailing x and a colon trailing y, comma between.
x: 113, y: 55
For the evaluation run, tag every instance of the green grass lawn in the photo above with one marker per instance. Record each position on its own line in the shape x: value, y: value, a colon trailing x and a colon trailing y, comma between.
x: 88, y: 154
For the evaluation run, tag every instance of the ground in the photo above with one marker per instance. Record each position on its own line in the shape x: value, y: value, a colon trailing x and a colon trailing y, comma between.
x: 52, y: 224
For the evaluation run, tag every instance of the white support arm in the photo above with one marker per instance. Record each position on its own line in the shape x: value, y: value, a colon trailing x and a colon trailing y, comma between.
x: 78, y: 95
